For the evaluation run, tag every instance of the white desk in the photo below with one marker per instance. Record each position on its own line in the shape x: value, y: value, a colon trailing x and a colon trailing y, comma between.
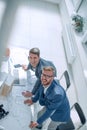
x: 3, y: 76
x: 1, y: 82
x: 19, y: 115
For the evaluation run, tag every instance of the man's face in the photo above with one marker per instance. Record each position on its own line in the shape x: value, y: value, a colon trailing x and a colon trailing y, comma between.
x: 47, y: 77
x: 33, y: 59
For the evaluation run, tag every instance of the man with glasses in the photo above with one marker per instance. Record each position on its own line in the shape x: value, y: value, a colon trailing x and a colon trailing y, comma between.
x: 36, y: 63
x: 52, y: 97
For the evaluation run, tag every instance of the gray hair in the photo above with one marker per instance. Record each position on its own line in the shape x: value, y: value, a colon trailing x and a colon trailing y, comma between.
x: 49, y: 68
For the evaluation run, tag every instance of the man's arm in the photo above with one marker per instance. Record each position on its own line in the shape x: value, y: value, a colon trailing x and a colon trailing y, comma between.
x: 51, y: 106
x: 36, y: 86
x: 33, y: 99
x: 35, y: 89
x: 24, y: 67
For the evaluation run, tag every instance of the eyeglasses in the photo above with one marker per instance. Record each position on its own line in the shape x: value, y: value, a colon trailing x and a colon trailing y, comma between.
x: 46, y: 76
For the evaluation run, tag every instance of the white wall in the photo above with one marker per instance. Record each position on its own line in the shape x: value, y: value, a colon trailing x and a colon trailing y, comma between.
x: 79, y: 64
x: 38, y: 24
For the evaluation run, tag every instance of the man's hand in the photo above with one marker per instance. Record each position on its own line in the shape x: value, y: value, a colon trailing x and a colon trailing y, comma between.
x: 27, y: 94
x: 28, y: 101
x: 24, y: 67
x: 33, y: 124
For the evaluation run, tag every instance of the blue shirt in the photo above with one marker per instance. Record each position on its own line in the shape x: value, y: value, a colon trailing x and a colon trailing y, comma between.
x: 38, y: 72
x: 55, y: 101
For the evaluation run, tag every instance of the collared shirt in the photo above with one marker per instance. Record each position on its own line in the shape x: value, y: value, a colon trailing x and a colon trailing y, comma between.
x: 34, y: 69
x: 38, y: 72
x: 45, y: 89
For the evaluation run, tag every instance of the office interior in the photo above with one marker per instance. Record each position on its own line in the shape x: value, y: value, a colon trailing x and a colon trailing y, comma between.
x: 50, y: 26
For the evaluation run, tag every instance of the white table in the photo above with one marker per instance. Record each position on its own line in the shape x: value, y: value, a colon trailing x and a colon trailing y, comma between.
x: 20, y: 114
x: 1, y: 82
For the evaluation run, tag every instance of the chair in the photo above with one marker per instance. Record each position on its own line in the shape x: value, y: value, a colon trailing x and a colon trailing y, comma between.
x: 64, y: 80
x: 76, y: 121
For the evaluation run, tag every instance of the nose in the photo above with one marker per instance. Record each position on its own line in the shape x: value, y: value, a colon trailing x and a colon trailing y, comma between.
x: 44, y: 77
x: 33, y: 60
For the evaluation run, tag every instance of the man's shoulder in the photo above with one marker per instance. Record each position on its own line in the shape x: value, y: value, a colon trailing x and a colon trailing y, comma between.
x: 58, y: 88
x: 45, y: 62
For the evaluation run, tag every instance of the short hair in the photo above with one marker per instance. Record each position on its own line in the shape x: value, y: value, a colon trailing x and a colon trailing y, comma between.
x: 35, y: 50
x: 49, y: 68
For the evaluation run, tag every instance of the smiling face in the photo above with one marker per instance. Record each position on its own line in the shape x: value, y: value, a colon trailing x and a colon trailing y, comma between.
x: 33, y: 59
x: 47, y: 77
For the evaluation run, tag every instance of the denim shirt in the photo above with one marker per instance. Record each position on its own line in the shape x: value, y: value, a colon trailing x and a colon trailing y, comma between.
x: 56, y: 102
x: 38, y: 72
